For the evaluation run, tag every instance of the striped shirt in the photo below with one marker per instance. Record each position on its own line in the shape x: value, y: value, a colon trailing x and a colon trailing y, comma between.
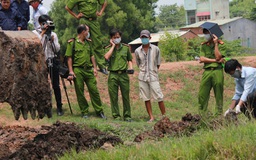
x: 148, y: 62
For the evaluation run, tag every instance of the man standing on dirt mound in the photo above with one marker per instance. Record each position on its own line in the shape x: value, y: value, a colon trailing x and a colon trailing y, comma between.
x: 148, y: 60
x: 88, y: 14
x: 210, y: 55
x: 82, y: 69
x: 244, y: 99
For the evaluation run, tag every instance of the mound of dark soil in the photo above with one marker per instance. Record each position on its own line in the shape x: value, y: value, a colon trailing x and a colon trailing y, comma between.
x: 50, y: 141
x: 186, y: 126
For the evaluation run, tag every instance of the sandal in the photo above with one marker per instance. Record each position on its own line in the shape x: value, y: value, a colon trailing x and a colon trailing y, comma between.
x: 150, y: 121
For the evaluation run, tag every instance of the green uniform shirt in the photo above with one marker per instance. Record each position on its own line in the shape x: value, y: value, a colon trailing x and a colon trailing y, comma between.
x: 87, y: 7
x: 82, y: 53
x: 207, y: 50
x: 119, y: 58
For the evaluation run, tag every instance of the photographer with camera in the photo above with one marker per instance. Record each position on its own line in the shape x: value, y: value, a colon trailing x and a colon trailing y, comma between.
x: 51, y: 47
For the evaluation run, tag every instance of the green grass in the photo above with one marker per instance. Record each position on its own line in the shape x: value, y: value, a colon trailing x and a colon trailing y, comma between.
x: 229, y: 142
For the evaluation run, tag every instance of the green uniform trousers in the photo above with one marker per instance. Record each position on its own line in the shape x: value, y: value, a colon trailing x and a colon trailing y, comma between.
x: 87, y: 76
x: 211, y: 79
x: 95, y: 36
x: 115, y: 81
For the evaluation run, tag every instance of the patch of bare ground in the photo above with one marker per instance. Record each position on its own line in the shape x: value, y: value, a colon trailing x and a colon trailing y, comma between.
x: 47, y: 142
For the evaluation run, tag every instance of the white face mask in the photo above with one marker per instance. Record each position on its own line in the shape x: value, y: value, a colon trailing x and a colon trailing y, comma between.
x: 207, y: 37
x: 88, y: 35
x: 117, y: 40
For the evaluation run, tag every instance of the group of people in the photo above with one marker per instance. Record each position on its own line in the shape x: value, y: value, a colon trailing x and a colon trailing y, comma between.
x: 85, y: 52
x: 82, y: 69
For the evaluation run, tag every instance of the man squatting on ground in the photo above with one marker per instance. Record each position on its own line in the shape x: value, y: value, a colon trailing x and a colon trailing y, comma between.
x: 119, y: 58
x: 244, y: 98
x: 88, y: 14
x: 148, y: 60
x: 82, y: 69
x: 51, y: 46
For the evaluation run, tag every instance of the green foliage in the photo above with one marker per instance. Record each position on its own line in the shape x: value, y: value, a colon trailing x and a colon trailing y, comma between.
x: 172, y: 47
x: 171, y: 16
x: 193, y: 49
x: 175, y: 49
x: 242, y: 8
x: 65, y: 24
x: 129, y: 16
x: 234, y: 48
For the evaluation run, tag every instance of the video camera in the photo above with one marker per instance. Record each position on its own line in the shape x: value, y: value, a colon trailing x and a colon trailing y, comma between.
x: 48, y: 26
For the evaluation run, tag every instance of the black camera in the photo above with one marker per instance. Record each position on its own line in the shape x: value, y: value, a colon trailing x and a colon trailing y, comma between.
x: 48, y: 26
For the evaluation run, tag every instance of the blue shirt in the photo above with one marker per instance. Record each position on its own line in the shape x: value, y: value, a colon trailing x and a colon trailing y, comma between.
x: 246, y: 84
x: 23, y: 8
x: 10, y: 19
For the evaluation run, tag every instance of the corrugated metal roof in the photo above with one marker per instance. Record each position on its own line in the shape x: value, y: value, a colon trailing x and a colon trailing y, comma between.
x: 155, y: 37
x: 219, y: 22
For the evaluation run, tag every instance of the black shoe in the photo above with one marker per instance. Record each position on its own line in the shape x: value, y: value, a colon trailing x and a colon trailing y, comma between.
x: 101, y: 115
x: 60, y: 112
x: 104, y: 71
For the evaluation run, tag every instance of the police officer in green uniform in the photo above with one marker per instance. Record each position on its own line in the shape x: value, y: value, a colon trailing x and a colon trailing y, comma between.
x: 88, y: 14
x: 82, y: 68
x: 119, y: 58
x: 213, y: 76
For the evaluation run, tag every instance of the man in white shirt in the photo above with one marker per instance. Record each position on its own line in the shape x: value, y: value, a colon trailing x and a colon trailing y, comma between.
x: 51, y: 46
x: 38, y: 10
x: 244, y: 99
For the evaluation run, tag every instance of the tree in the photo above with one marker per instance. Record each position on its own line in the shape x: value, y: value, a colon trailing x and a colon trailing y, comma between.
x: 172, y: 16
x: 242, y: 8
x: 130, y: 16
x: 173, y: 48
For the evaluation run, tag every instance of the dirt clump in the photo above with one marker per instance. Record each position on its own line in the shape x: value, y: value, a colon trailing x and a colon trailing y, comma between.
x: 186, y: 126
x: 48, y: 142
